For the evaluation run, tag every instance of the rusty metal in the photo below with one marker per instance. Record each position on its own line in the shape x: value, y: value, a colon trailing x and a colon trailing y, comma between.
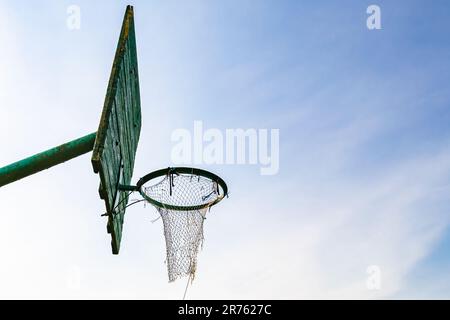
x: 46, y: 159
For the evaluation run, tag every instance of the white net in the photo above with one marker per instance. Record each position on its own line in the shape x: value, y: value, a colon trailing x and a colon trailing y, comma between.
x: 183, y: 230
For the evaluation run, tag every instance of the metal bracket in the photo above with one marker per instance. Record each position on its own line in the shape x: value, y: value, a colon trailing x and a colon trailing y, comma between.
x: 127, y: 188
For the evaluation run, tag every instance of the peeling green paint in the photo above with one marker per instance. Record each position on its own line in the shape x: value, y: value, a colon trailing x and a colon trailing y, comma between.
x: 119, y: 130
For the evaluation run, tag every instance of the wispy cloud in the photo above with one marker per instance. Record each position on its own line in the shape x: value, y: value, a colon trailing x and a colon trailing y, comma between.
x: 364, y: 151
x: 391, y: 221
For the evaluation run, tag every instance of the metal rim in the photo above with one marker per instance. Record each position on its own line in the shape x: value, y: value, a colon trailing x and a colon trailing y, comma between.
x: 181, y: 170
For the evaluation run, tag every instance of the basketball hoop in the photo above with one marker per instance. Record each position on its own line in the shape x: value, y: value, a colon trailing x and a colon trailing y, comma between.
x: 182, y: 197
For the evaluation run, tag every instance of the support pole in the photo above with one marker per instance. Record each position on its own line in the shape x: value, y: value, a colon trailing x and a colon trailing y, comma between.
x: 46, y: 159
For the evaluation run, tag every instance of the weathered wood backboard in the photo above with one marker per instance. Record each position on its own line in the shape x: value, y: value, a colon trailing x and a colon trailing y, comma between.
x: 118, y: 133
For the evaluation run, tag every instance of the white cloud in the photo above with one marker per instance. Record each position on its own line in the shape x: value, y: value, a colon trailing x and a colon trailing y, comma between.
x: 285, y: 237
x: 388, y: 222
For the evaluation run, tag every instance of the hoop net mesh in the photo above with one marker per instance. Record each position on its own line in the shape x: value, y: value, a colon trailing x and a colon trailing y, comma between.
x: 183, y: 230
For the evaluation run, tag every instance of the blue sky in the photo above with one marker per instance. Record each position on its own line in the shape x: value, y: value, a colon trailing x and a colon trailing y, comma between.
x: 364, y: 146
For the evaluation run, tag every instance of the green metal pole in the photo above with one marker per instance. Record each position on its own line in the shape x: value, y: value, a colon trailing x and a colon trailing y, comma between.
x: 46, y: 159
